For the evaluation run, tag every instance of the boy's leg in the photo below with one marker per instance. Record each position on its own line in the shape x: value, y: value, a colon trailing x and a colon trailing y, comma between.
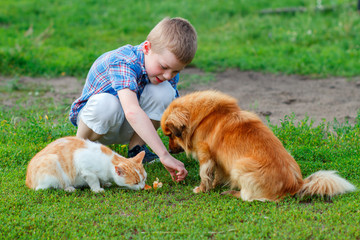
x: 156, y: 98
x: 101, y: 119
x: 85, y: 132
x: 136, y: 139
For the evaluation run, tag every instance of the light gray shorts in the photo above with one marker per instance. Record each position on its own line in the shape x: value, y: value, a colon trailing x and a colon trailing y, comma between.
x: 104, y: 115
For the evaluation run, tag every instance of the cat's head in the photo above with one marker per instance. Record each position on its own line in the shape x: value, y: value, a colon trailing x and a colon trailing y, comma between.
x: 129, y: 172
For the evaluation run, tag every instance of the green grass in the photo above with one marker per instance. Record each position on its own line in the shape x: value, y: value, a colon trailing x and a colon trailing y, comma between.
x: 172, y: 211
x: 53, y: 38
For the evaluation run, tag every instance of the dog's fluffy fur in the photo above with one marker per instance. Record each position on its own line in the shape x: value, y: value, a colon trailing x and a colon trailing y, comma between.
x: 234, y: 147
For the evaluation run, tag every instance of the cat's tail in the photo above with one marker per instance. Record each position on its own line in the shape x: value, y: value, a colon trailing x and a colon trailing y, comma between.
x: 325, y: 183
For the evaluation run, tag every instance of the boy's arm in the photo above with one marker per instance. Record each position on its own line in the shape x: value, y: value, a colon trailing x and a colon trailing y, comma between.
x: 142, y: 125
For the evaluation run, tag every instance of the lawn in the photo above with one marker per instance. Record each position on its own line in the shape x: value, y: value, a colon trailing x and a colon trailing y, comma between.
x: 172, y: 211
x: 41, y: 37
x: 54, y: 38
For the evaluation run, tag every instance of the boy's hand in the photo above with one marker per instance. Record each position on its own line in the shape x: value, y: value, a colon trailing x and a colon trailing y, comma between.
x: 175, y: 168
x: 142, y: 125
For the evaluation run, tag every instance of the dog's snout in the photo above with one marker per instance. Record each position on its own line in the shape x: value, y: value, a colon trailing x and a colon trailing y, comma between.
x: 176, y: 150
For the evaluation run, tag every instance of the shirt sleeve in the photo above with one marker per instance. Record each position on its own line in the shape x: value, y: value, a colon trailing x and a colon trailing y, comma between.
x: 122, y: 75
x: 174, y: 81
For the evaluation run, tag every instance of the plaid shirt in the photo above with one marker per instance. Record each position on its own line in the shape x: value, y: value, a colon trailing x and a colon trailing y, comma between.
x: 113, y: 71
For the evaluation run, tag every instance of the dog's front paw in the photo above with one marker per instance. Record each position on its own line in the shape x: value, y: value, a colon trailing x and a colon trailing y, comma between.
x: 197, y: 190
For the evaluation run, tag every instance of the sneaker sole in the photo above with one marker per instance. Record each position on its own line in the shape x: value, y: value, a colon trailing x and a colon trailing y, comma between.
x: 152, y: 161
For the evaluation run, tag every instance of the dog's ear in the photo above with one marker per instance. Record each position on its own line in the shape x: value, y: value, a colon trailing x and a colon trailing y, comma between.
x: 177, y: 121
x: 176, y: 130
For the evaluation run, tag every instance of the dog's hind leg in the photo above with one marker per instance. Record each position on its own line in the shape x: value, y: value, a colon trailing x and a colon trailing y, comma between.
x: 232, y: 192
x: 241, y: 194
x: 207, y: 167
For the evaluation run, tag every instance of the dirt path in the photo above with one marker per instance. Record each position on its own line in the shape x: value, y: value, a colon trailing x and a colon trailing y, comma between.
x: 265, y: 94
x: 278, y: 95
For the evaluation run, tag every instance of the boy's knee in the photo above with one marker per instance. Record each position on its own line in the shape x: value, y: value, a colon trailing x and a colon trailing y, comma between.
x: 105, y: 106
x: 156, y: 98
x: 102, y: 112
x: 161, y: 94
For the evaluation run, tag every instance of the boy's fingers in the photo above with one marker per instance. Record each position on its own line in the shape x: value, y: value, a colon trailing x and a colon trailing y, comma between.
x: 183, y: 172
x: 181, y: 175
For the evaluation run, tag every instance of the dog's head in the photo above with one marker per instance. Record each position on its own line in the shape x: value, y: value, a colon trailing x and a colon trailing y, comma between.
x: 174, y: 124
x: 185, y: 114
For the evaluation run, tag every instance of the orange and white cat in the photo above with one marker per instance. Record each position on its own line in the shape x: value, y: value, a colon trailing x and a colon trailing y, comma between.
x: 71, y: 162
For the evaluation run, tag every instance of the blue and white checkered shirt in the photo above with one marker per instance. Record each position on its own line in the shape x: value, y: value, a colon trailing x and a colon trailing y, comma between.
x: 115, y: 70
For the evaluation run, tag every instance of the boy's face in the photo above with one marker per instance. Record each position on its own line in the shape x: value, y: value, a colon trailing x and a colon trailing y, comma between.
x: 160, y: 66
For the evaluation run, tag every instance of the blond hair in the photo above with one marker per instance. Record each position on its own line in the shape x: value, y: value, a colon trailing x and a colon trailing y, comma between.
x: 176, y: 35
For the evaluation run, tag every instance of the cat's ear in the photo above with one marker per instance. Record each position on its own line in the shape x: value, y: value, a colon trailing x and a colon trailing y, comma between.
x: 118, y: 170
x: 139, y: 157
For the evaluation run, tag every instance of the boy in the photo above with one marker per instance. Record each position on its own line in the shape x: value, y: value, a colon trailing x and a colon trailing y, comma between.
x: 128, y: 89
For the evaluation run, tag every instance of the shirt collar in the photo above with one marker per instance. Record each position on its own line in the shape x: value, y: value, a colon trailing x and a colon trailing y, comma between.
x: 141, y: 57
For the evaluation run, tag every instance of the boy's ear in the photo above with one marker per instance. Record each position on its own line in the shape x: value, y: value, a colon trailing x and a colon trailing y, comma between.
x: 118, y: 170
x: 146, y: 47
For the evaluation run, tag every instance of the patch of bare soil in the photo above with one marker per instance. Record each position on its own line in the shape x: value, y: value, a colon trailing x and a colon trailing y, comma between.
x: 268, y: 95
x: 278, y: 95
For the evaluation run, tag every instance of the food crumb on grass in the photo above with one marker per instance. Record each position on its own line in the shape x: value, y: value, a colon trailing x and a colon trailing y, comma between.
x: 156, y: 184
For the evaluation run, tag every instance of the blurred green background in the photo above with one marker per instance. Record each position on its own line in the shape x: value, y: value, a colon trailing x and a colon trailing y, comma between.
x: 52, y: 38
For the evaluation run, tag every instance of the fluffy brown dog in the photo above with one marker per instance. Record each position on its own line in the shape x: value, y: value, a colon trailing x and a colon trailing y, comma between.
x: 234, y: 147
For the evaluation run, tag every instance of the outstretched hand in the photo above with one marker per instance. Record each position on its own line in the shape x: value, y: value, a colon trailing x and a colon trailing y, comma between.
x: 175, y: 168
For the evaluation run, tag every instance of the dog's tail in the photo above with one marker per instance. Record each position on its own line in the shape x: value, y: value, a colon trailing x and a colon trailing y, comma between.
x: 325, y: 183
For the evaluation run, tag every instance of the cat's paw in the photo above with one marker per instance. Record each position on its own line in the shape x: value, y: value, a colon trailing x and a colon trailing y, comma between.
x: 70, y: 189
x: 98, y: 190
x: 108, y: 184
